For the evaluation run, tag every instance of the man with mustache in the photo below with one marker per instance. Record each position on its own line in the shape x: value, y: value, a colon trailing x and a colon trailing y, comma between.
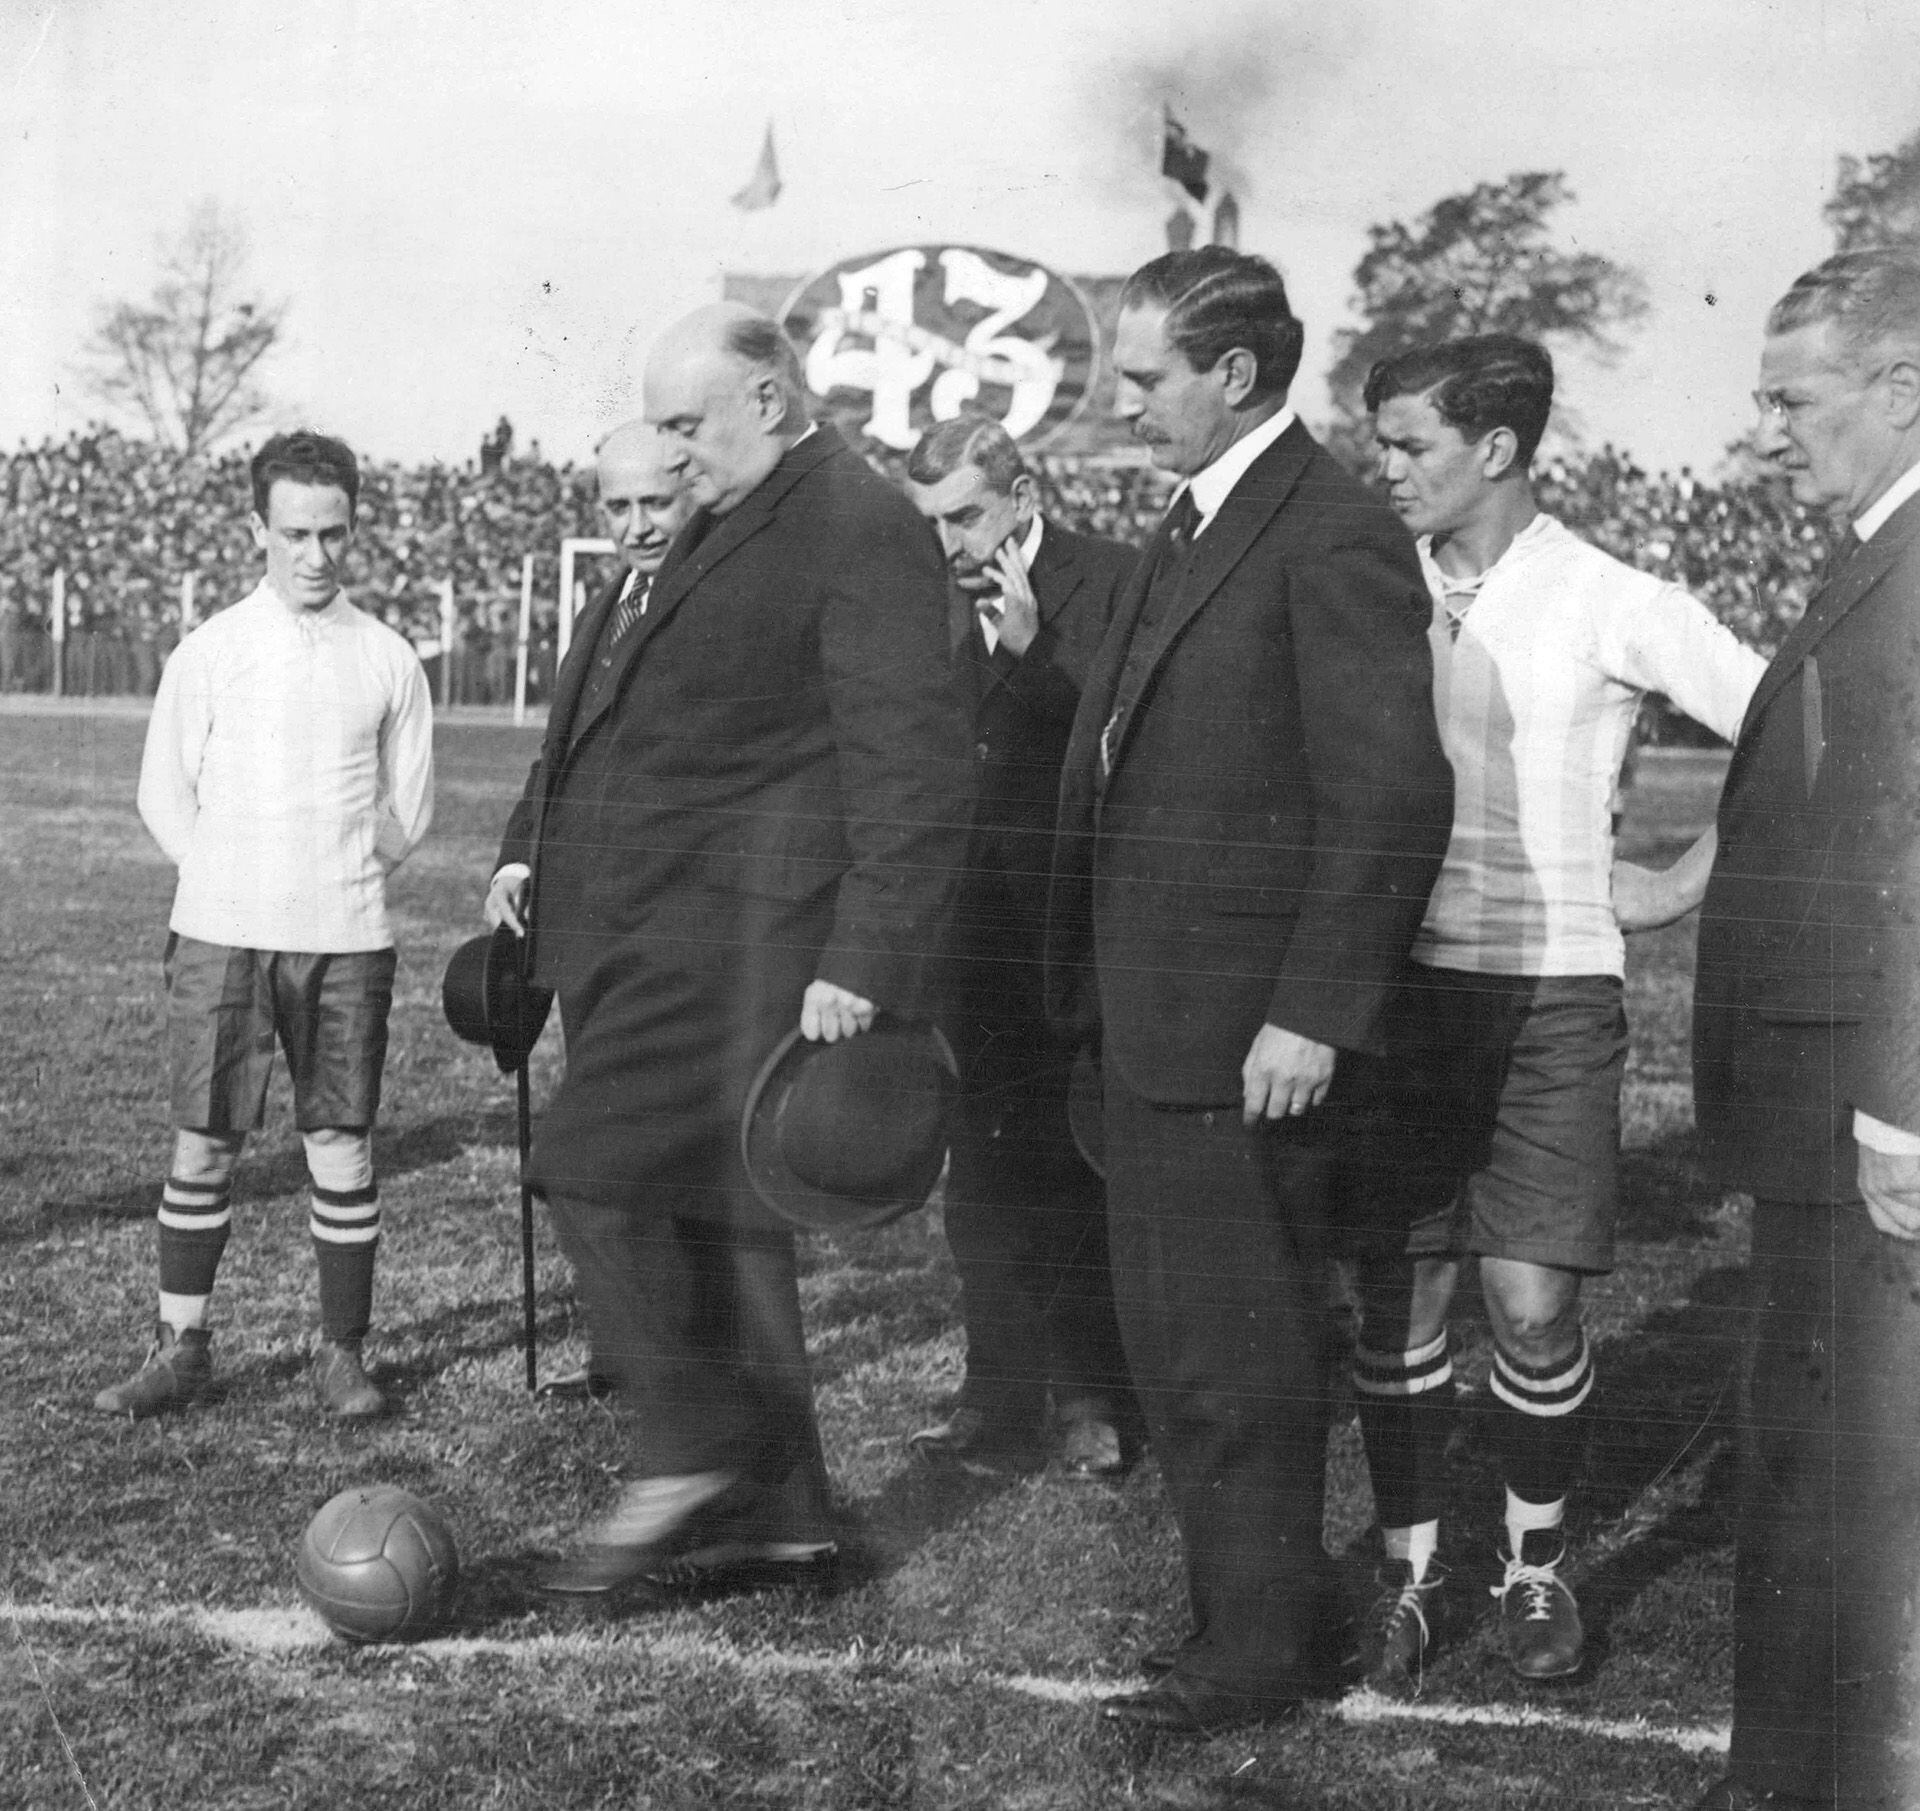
x: 1253, y: 806
x: 644, y: 508
x: 1025, y: 1215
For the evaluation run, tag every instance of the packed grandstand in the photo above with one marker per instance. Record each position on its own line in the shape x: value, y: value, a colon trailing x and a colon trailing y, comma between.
x: 126, y: 522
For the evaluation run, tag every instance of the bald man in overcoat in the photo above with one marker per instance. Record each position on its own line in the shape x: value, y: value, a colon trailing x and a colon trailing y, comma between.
x: 750, y: 813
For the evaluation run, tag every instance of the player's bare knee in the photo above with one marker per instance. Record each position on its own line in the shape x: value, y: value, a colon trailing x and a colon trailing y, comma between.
x: 206, y: 1157
x: 1535, y: 1309
x: 340, y: 1157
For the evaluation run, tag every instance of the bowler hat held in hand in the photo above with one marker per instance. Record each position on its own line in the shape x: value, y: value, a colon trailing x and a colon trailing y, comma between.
x: 848, y: 1135
x: 488, y: 1000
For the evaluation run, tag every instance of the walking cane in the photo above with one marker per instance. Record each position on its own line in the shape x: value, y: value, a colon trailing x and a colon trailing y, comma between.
x: 490, y: 1000
x: 521, y: 1089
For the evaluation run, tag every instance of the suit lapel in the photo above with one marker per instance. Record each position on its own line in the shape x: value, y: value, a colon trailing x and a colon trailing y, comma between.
x: 1250, y: 507
x: 1103, y: 682
x: 1870, y: 563
x: 1055, y: 577
x: 571, y: 680
x: 708, y: 540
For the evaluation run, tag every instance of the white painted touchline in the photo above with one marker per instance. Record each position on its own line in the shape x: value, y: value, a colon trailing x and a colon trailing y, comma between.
x: 290, y: 1629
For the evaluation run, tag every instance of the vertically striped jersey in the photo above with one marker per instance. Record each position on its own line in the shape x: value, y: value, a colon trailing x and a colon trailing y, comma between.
x: 1539, y: 666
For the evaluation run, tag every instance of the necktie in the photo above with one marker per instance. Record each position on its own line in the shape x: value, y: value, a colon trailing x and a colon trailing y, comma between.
x: 1183, y: 522
x: 630, y: 609
x: 1845, y: 545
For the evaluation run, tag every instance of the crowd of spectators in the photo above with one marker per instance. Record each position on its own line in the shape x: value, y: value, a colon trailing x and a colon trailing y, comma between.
x: 126, y: 522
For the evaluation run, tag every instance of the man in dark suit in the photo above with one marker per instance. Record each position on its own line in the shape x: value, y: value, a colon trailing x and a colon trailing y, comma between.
x: 1807, y: 1074
x: 1253, y: 808
x: 1025, y: 1215
x: 644, y: 507
x: 749, y: 812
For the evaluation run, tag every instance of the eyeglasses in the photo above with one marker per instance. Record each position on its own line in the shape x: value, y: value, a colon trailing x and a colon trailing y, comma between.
x: 1785, y: 405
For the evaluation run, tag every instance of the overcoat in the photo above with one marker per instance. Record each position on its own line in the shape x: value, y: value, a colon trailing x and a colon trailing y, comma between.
x: 1021, y: 711
x: 1807, y: 1002
x: 775, y: 787
x: 1806, y: 1011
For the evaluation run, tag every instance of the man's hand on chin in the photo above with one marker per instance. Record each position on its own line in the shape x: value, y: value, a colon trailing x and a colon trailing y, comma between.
x: 1284, y: 1075
x: 1891, y: 1185
x: 829, y: 1013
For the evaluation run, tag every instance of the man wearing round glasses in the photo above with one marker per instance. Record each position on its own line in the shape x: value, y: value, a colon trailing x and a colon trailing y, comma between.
x: 1807, y: 1073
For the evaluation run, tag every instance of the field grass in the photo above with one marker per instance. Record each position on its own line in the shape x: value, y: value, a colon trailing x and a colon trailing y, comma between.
x: 152, y: 1652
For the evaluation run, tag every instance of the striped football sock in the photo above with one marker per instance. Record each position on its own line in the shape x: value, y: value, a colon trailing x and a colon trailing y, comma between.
x: 1541, y: 1419
x: 345, y: 1224
x: 1406, y: 1412
x: 195, y: 1218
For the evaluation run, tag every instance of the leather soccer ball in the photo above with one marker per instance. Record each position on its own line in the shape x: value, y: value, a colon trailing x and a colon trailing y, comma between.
x: 378, y: 1564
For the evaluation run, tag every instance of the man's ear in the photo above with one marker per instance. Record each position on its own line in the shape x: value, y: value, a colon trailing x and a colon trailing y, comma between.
x: 1026, y: 496
x: 1500, y: 453
x: 1239, y: 371
x: 771, y: 403
x: 259, y: 529
x: 1903, y: 390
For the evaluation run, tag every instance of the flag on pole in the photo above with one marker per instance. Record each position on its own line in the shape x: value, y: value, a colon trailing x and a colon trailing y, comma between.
x: 1183, y: 160
x: 763, y: 186
x: 1226, y: 222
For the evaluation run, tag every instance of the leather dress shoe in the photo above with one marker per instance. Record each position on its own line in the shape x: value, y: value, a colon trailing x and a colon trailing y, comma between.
x: 1179, y: 1704
x: 728, y: 1568
x: 1730, y: 1795
x: 969, y: 1441
x: 583, y: 1385
x: 600, y: 1570
x: 1091, y: 1451
x: 651, y: 1525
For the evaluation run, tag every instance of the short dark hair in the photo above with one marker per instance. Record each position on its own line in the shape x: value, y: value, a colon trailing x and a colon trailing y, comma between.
x: 1872, y: 296
x: 1217, y: 300
x: 304, y: 457
x: 968, y: 439
x: 1492, y: 380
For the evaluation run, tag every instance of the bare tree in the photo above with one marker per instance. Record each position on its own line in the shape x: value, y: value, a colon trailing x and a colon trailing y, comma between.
x: 184, y: 360
x: 1876, y: 199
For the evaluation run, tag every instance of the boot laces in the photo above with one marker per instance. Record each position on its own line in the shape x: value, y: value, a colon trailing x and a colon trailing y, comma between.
x: 1538, y: 1586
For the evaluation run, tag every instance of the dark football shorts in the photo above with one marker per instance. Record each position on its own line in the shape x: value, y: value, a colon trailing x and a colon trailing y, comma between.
x: 1492, y: 1125
x: 227, y: 1008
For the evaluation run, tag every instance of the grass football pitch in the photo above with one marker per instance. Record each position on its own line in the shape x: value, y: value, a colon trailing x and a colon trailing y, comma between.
x: 153, y: 1650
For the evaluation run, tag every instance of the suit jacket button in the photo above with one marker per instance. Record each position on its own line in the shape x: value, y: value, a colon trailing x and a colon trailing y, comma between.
x: 982, y: 749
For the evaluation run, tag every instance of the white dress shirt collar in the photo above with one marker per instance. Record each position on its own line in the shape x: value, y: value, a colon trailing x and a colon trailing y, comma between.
x: 1870, y: 521
x: 1211, y: 486
x: 1029, y: 548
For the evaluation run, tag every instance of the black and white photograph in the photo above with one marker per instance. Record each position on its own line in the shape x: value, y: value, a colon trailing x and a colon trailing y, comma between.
x: 1005, y: 908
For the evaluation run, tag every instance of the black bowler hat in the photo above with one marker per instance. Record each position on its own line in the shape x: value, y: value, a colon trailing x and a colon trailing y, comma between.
x: 488, y: 1001
x: 845, y: 1136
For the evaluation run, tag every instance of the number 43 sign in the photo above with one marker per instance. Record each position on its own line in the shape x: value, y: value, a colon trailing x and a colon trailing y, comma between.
x: 897, y: 340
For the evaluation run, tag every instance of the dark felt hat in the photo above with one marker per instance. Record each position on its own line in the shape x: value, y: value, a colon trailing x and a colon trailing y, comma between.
x: 488, y: 1001
x: 844, y: 1136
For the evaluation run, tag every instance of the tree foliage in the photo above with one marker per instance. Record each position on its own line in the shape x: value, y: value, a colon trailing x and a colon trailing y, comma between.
x: 184, y: 361
x: 1482, y: 262
x: 1876, y: 199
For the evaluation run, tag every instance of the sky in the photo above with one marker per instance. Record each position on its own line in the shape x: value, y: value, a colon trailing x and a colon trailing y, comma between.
x: 474, y: 207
